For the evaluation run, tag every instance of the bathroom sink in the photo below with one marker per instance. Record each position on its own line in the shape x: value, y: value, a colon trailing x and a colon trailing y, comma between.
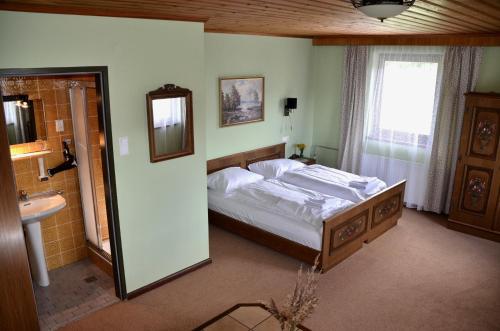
x: 35, y: 209
x: 32, y: 212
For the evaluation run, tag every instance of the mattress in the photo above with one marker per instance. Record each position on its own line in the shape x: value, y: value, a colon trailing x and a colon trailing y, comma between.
x: 259, y: 205
x: 333, y: 182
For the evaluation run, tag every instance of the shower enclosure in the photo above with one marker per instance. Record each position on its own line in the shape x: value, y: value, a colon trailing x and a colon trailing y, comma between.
x: 87, y: 149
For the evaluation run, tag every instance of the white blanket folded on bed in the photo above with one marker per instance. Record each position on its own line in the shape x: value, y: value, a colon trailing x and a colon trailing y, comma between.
x: 363, y: 182
x: 334, y: 182
x: 292, y: 201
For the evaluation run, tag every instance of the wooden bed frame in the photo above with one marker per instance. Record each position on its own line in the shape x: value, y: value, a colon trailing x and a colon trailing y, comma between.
x: 343, y: 233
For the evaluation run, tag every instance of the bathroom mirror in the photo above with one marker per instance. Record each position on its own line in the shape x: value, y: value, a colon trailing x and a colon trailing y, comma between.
x: 25, y: 119
x: 170, y: 122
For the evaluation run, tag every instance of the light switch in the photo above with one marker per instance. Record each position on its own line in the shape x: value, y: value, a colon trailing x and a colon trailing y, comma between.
x: 123, y: 141
x: 285, y: 139
x: 59, y: 125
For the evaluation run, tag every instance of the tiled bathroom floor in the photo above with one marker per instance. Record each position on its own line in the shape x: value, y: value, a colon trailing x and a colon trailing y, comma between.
x: 74, y: 291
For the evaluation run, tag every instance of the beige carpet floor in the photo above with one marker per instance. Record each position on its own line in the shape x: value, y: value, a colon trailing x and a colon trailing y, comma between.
x: 417, y: 276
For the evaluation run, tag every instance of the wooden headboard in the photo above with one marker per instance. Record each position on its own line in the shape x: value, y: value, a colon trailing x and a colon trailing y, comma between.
x: 244, y: 159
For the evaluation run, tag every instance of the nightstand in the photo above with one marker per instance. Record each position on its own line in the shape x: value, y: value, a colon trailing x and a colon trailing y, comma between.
x: 306, y: 160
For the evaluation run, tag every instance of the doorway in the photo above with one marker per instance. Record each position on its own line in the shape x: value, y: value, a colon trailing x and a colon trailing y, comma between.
x: 73, y: 152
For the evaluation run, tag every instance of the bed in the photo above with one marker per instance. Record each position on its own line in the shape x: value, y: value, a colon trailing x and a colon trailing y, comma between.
x: 341, y: 235
x: 283, y: 209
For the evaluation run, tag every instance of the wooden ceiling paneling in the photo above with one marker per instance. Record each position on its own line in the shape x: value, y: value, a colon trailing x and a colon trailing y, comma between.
x: 300, y: 18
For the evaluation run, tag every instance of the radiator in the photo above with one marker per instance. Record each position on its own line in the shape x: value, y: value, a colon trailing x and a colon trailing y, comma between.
x: 325, y: 155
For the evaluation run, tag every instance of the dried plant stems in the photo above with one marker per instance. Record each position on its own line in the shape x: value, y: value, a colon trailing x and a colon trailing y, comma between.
x: 300, y: 304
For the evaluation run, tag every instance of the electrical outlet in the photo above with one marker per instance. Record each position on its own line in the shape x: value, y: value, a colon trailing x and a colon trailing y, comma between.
x: 285, y: 139
x: 123, y: 142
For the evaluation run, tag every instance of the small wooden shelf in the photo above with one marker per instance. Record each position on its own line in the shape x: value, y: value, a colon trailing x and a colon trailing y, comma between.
x: 28, y: 155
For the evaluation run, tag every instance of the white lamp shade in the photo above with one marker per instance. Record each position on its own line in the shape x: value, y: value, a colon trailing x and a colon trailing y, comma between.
x: 382, y: 11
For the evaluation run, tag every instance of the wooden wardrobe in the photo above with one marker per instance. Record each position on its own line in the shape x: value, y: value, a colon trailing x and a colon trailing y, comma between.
x: 475, y: 204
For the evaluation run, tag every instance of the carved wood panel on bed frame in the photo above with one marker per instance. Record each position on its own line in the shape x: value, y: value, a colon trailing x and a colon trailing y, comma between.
x: 343, y: 233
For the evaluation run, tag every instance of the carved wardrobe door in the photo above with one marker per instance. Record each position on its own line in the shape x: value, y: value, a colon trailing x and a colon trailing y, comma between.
x: 475, y: 199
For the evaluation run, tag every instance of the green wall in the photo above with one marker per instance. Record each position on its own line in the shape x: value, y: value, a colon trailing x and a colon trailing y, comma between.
x: 489, y: 73
x: 327, y: 93
x: 162, y: 206
x: 327, y: 87
x: 286, y: 65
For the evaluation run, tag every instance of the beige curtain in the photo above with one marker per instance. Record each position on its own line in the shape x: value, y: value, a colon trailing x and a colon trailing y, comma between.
x: 169, y: 139
x: 461, y: 67
x: 353, y: 108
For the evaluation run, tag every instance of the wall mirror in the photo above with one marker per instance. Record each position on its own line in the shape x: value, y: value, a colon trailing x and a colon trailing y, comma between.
x: 25, y: 119
x: 170, y: 122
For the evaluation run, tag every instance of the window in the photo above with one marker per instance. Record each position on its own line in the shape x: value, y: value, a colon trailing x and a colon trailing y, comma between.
x: 403, y: 93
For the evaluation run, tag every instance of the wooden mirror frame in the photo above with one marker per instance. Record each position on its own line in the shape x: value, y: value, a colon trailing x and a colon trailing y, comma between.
x: 170, y: 91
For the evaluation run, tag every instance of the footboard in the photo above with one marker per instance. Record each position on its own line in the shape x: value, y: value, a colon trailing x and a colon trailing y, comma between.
x: 344, y: 233
x: 387, y: 208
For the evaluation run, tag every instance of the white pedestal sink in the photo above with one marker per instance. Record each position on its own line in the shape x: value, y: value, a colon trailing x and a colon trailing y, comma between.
x: 32, y: 212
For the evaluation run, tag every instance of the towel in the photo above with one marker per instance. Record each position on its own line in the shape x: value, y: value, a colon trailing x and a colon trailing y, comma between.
x: 363, y: 182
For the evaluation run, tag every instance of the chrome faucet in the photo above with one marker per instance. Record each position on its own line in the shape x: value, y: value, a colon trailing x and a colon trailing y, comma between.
x: 23, y: 195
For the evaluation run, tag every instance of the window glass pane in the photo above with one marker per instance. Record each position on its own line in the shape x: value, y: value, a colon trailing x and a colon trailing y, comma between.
x: 408, y: 92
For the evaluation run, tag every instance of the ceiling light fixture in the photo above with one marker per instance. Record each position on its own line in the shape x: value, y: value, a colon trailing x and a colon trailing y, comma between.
x: 382, y: 9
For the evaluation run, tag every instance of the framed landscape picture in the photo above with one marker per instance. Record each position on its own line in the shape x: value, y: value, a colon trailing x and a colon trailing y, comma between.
x: 241, y: 100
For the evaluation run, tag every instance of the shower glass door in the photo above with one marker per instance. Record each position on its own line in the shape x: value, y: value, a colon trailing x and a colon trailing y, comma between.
x: 78, y: 100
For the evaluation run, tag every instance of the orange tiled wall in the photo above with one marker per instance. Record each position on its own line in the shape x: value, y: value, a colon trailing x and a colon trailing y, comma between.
x: 63, y: 232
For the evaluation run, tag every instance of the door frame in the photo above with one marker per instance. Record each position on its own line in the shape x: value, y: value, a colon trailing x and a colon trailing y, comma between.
x: 108, y: 167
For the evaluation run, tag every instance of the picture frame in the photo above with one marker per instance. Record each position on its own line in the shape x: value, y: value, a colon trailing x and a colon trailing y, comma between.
x: 241, y: 100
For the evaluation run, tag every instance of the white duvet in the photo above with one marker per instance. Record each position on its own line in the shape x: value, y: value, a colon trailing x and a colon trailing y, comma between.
x: 334, y: 182
x: 294, y: 202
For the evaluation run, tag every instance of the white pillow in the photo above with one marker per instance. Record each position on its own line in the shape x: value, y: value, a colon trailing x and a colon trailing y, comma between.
x: 274, y: 168
x: 229, y: 179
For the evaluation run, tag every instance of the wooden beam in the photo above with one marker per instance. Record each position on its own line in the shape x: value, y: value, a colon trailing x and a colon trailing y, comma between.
x: 429, y: 40
x: 89, y: 11
x: 263, y: 34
